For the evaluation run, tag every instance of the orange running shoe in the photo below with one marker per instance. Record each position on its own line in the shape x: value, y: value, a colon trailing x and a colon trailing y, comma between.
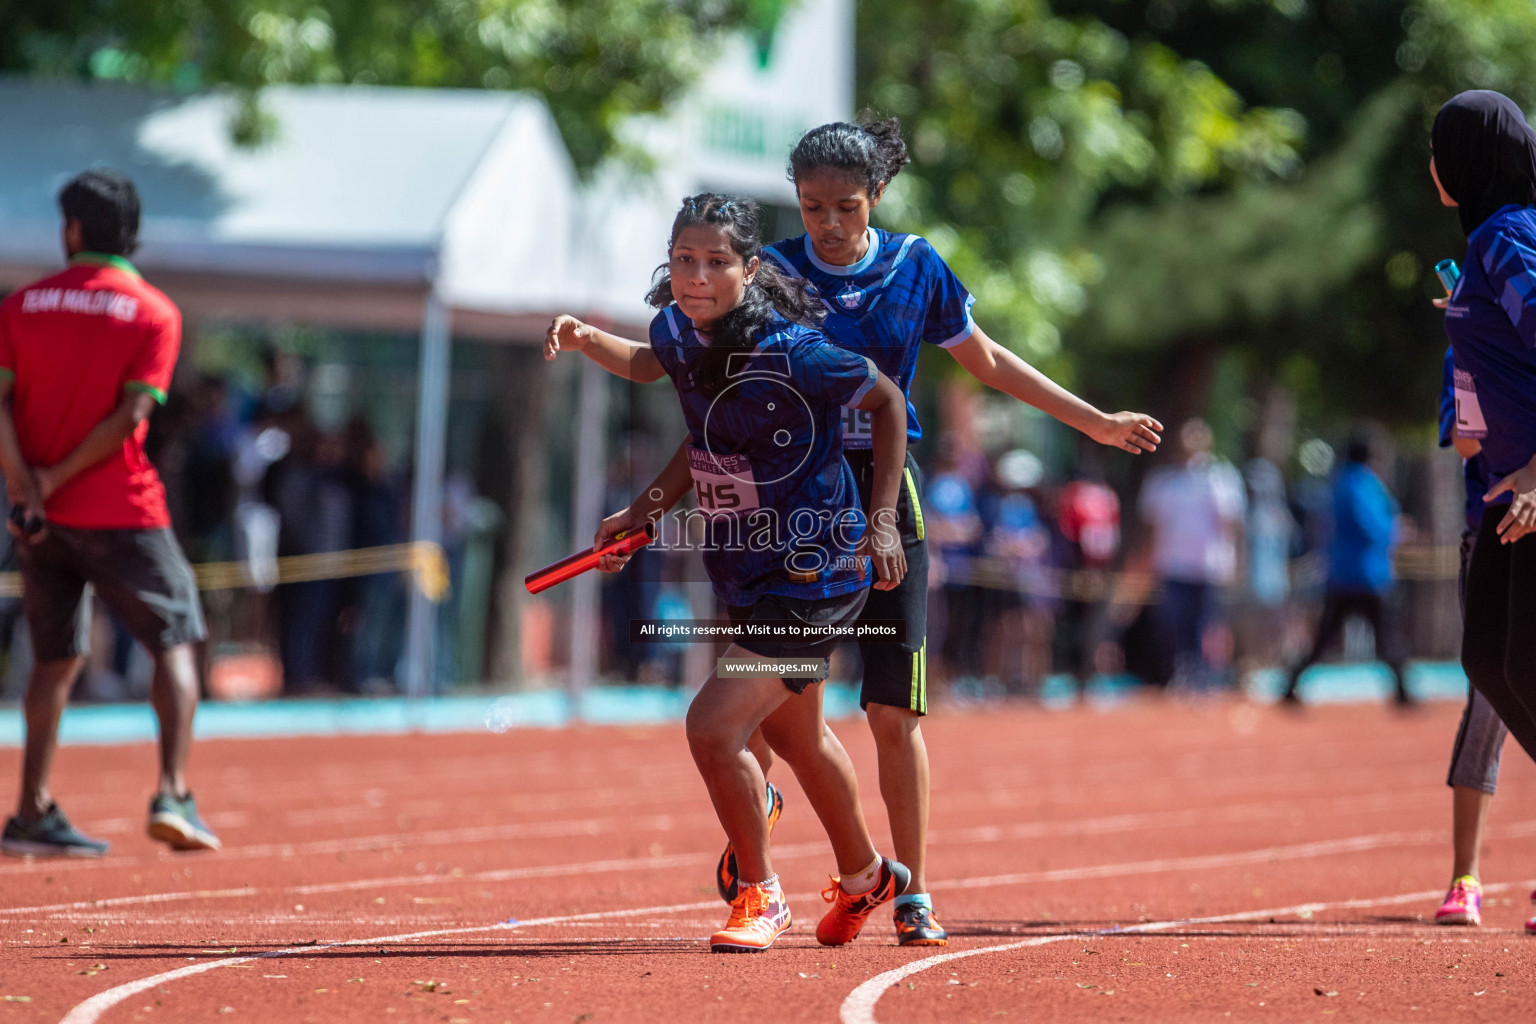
x: 759, y: 914
x: 845, y: 920
x: 725, y: 872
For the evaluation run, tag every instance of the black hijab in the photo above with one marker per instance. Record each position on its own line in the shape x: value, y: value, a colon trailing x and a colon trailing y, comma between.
x: 1485, y: 155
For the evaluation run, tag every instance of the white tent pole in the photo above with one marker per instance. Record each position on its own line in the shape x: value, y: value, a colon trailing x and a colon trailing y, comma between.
x: 587, y: 511
x: 427, y: 499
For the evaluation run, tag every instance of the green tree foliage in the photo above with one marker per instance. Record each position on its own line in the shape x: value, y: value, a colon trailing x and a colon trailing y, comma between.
x: 1322, y: 284
x: 1023, y: 121
x: 1158, y: 178
x: 594, y: 61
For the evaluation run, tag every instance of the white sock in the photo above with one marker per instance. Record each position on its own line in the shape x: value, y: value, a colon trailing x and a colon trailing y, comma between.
x: 772, y: 885
x: 862, y: 881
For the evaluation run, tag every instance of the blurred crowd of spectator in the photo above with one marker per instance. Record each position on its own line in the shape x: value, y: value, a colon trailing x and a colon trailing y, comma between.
x: 252, y: 477
x: 1187, y: 585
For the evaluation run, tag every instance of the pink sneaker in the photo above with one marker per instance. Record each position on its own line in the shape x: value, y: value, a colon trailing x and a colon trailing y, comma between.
x: 1463, y: 904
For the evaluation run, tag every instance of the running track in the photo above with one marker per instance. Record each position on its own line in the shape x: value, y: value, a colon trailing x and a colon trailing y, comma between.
x: 1156, y: 862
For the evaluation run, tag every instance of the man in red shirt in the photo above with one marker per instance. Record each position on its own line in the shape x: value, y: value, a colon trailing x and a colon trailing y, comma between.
x: 85, y: 356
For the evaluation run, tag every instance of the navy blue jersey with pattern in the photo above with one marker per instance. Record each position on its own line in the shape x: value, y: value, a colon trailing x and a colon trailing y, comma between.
x: 885, y: 306
x: 1491, y: 321
x: 766, y: 454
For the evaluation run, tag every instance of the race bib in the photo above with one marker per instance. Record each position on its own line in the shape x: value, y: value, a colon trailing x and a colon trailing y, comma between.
x: 858, y: 428
x: 722, y: 483
x: 1469, y: 414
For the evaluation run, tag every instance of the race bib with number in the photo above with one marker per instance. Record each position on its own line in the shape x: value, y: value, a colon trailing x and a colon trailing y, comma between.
x: 722, y: 483
x: 1469, y: 414
x: 858, y: 428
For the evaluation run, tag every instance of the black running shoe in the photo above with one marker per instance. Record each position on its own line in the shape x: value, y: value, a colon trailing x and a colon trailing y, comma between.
x: 916, y: 926
x: 49, y: 836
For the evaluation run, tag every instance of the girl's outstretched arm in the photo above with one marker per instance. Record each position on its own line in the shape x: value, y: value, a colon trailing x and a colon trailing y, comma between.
x: 882, y: 540
x: 996, y: 367
x: 666, y: 490
x: 619, y: 356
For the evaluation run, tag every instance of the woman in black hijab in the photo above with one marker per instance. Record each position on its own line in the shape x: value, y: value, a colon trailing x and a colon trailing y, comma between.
x: 1484, y: 156
x: 1484, y: 164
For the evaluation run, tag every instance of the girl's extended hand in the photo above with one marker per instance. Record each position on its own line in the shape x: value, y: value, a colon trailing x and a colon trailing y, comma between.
x: 1521, y: 517
x: 565, y: 333
x: 1133, y: 431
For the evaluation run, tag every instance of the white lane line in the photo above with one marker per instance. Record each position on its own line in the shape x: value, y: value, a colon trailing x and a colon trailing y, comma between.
x: 1329, y: 847
x: 496, y: 875
x: 488, y: 833
x: 859, y: 1006
x: 862, y: 1000
x: 1324, y: 848
x: 972, y: 836
x: 90, y: 1011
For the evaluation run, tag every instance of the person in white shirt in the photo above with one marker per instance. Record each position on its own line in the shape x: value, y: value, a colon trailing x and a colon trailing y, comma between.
x: 1194, y: 515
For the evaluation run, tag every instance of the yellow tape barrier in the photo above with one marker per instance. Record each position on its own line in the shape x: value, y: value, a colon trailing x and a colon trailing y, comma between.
x: 424, y: 560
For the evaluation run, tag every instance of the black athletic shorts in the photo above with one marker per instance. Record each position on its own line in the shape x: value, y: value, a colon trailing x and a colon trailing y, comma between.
x: 896, y: 672
x: 842, y: 610
x: 141, y: 575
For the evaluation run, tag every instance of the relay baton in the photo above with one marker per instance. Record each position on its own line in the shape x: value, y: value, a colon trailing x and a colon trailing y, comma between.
x: 574, y: 565
x: 1448, y: 273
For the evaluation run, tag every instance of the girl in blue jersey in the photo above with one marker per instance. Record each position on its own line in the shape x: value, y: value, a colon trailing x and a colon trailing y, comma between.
x: 1484, y: 164
x: 786, y: 539
x: 885, y: 295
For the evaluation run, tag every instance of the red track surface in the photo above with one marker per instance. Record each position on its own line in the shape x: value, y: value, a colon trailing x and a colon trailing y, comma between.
x: 1048, y: 828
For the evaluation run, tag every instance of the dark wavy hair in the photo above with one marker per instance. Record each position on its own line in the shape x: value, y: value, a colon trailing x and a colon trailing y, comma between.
x: 870, y: 151
x: 770, y: 290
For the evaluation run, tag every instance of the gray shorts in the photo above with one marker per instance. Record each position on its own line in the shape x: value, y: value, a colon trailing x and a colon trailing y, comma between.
x: 1480, y: 737
x: 141, y: 575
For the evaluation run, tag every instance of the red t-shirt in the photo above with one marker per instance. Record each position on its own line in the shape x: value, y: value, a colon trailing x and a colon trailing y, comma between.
x: 72, y: 343
x: 1090, y: 518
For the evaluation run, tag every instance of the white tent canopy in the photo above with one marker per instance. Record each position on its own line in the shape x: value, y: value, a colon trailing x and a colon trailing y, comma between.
x: 363, y: 201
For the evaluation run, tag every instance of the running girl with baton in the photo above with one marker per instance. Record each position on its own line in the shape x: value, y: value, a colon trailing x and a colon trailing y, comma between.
x: 787, y: 542
x: 885, y: 295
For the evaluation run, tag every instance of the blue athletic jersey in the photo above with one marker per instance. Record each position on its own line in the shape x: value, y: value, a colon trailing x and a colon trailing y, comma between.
x: 1491, y: 321
x: 766, y: 454
x: 1475, y: 469
x: 885, y: 306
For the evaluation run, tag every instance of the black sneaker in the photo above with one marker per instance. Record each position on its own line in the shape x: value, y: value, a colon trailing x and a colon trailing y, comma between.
x: 175, y: 822
x: 916, y: 926
x: 49, y: 836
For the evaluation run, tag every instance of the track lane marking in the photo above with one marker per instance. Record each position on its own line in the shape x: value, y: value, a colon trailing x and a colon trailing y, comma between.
x: 859, y: 1005
x: 978, y: 835
x: 90, y: 1011
x: 1329, y: 847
